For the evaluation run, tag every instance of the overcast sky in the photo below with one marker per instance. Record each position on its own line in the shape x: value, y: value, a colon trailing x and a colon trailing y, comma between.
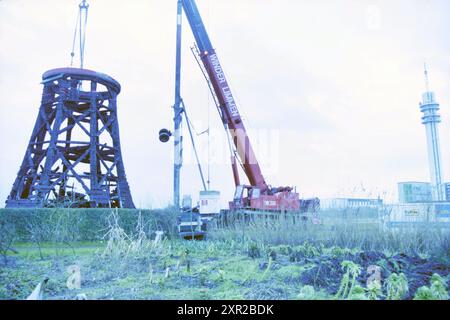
x: 328, y: 89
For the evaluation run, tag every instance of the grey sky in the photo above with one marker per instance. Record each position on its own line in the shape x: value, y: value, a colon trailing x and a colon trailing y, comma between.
x: 329, y: 89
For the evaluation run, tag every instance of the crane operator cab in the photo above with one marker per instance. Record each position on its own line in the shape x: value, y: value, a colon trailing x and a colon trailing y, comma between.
x: 243, y: 197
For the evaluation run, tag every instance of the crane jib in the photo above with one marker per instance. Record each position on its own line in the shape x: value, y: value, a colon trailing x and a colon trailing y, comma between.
x: 227, y: 96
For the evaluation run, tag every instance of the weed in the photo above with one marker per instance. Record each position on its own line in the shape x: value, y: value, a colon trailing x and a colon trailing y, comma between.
x: 437, y: 290
x: 352, y: 271
x: 307, y: 293
x: 283, y: 249
x: 338, y: 252
x: 272, y: 254
x: 118, y: 241
x: 396, y: 286
x: 374, y: 291
x: 357, y: 293
x: 253, y: 250
x: 120, y: 245
x: 203, y: 274
x: 150, y: 274
x: 306, y: 250
x: 269, y: 266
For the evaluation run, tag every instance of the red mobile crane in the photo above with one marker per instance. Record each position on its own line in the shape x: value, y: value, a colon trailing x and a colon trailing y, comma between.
x: 257, y: 195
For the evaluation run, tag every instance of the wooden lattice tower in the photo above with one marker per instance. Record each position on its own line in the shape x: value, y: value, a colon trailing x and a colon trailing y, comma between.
x: 74, y: 156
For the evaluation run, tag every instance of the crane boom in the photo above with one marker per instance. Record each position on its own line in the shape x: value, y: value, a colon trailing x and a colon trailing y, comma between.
x: 227, y: 104
x: 259, y: 195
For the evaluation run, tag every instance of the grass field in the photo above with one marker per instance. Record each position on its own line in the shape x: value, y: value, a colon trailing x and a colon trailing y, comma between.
x: 258, y: 260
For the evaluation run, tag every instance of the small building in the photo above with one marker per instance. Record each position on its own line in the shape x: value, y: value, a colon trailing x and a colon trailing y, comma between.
x: 209, y: 203
x: 414, y: 192
x: 430, y: 214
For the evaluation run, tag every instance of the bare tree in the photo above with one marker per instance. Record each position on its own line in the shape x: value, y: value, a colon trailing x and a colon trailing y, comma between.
x: 64, y: 228
x: 7, y: 237
x: 38, y: 230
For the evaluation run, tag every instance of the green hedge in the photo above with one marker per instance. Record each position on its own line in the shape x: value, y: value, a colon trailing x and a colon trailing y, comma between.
x: 83, y: 224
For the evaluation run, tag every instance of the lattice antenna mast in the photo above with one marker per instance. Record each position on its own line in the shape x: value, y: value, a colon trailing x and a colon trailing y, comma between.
x: 427, y: 80
x: 80, y: 30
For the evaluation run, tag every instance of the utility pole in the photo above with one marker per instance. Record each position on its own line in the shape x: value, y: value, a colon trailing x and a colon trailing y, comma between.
x: 178, y: 110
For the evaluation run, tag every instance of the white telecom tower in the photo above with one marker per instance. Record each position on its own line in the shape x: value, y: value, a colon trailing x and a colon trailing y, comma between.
x: 431, y: 118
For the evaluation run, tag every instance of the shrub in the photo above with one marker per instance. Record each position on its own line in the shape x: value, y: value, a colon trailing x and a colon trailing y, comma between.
x: 58, y: 224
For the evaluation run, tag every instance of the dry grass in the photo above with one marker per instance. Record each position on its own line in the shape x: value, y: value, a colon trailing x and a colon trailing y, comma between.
x: 120, y: 245
x: 363, y: 234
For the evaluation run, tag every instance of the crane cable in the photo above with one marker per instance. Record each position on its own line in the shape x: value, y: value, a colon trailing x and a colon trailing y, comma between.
x: 233, y: 152
x: 72, y: 53
x: 80, y: 27
x: 188, y: 122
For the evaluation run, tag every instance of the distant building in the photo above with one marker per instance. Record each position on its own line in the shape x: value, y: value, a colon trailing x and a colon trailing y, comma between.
x: 435, y: 190
x: 447, y: 190
x: 413, y: 192
x: 344, y: 203
x: 429, y: 214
